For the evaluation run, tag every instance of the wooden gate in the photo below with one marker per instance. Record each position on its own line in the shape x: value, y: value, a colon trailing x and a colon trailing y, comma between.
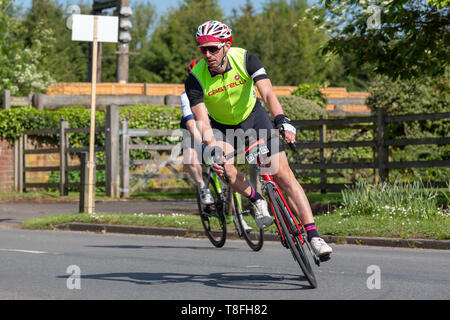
x: 160, y: 156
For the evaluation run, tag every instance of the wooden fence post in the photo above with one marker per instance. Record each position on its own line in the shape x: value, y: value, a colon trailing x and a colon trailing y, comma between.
x: 38, y: 101
x: 112, y: 152
x: 84, y: 184
x: 323, y: 172
x: 63, y: 144
x: 23, y: 163
x: 382, y: 160
x: 6, y: 101
x: 19, y: 160
x: 125, y: 152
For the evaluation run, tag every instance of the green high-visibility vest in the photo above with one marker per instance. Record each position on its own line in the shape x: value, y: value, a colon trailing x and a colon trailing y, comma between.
x: 229, y: 97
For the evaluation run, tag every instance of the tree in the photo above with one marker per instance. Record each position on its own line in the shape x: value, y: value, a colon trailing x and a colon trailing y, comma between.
x: 285, y: 40
x: 21, y: 69
x: 173, y: 44
x: 143, y: 18
x: 65, y: 60
x: 408, y: 39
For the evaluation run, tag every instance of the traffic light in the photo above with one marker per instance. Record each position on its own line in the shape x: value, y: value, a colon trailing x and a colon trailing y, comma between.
x: 99, y: 5
x: 125, y: 24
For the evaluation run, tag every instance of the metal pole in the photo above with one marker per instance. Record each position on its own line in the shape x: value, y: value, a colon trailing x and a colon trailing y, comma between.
x: 123, y: 50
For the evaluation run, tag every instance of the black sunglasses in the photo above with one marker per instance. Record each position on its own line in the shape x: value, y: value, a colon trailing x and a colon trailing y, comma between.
x: 211, y: 49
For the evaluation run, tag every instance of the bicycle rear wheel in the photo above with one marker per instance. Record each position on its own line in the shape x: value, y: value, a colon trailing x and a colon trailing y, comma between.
x: 253, y: 237
x: 291, y: 236
x: 212, y: 216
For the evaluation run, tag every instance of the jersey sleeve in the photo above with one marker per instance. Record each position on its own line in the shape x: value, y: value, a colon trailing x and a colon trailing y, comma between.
x: 194, y: 90
x: 186, y: 107
x: 255, y: 68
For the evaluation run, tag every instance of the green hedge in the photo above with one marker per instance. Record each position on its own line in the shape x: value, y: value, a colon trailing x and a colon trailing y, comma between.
x: 311, y: 91
x: 413, y: 96
x: 14, y: 122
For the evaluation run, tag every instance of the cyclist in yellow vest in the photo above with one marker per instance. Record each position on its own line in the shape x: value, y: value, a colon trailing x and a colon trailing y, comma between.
x: 222, y: 96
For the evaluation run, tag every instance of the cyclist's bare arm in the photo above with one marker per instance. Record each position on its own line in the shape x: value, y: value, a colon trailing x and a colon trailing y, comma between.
x: 237, y: 179
x: 193, y: 130
x: 201, y: 116
x: 270, y: 99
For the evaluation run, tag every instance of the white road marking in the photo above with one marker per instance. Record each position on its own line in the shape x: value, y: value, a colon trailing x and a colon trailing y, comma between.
x: 24, y: 251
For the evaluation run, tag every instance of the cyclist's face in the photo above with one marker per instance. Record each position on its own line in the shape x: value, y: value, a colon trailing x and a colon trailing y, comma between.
x: 213, y: 52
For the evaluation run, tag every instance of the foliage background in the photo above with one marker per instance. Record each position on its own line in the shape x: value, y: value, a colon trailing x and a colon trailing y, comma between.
x: 282, y: 34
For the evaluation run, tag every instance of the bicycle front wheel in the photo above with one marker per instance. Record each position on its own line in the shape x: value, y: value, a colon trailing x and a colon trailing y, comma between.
x: 291, y: 236
x: 247, y: 228
x: 212, y: 216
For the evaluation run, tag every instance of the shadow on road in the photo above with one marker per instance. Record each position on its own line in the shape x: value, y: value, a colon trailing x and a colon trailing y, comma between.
x: 230, y: 280
x: 163, y: 247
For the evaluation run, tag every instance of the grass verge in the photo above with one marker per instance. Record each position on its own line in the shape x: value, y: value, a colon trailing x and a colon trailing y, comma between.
x: 332, y: 224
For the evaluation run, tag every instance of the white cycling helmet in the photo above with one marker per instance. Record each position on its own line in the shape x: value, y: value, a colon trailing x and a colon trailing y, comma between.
x: 212, y: 31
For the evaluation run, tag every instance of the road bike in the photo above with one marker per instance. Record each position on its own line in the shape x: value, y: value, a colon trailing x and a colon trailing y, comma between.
x: 291, y: 232
x: 228, y: 206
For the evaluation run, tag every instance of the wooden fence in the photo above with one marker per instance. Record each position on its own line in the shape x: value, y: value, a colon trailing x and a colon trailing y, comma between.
x: 380, y: 144
x: 120, y: 142
x: 161, y: 156
x: 64, y: 150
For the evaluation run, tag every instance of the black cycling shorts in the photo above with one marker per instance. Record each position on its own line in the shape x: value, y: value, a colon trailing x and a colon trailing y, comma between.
x: 258, y: 124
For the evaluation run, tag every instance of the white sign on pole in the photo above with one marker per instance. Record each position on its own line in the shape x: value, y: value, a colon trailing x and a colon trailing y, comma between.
x: 94, y: 29
x: 83, y: 28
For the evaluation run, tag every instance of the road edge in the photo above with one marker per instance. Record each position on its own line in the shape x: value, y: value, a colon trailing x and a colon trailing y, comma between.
x: 179, y: 232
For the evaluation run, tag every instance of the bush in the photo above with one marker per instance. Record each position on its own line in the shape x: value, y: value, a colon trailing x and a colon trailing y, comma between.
x: 311, y: 92
x: 15, y: 121
x: 414, y: 96
x: 298, y: 108
x: 417, y: 95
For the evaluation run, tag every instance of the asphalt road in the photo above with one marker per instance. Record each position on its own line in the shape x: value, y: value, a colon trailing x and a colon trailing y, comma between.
x: 46, y: 265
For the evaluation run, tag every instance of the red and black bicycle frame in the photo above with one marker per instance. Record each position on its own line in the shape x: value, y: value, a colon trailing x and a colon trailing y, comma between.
x: 269, y: 180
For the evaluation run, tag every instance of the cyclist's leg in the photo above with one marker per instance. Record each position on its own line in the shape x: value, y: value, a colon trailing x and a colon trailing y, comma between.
x: 284, y: 177
x: 192, y: 165
x: 239, y: 182
x: 295, y: 194
x: 191, y: 162
x: 299, y: 203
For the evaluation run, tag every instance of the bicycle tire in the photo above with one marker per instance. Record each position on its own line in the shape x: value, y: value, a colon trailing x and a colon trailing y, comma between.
x: 212, y: 216
x: 254, y: 239
x: 293, y: 241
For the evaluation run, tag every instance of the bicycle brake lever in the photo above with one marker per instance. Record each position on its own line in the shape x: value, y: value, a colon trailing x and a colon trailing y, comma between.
x: 292, y: 145
x: 225, y: 177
